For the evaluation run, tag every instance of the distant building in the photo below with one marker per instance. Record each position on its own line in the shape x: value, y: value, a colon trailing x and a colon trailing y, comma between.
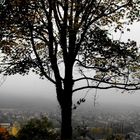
x: 7, y: 126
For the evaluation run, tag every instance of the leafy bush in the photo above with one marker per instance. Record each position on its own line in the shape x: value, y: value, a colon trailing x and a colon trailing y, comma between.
x: 37, y: 129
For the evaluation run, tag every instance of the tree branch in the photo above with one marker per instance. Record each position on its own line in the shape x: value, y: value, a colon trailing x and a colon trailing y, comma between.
x: 87, y: 25
x: 107, y: 87
x: 105, y: 81
x: 37, y: 56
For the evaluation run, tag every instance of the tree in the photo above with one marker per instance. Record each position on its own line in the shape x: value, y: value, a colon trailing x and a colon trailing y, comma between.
x: 37, y: 129
x: 58, y: 38
x: 4, y: 133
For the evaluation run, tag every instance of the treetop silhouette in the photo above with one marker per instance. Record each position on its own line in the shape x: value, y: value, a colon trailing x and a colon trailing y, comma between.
x: 58, y: 38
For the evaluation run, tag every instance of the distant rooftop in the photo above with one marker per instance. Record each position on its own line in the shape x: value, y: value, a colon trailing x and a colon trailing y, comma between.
x: 5, y: 124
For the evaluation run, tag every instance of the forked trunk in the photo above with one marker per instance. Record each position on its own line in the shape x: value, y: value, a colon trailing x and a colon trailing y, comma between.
x: 64, y: 97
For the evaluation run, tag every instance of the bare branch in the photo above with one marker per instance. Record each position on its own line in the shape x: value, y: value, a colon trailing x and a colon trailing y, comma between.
x: 108, y: 87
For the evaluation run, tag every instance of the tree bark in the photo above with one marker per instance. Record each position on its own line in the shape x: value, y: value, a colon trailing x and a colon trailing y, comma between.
x: 66, y: 106
x: 66, y: 126
x: 66, y: 112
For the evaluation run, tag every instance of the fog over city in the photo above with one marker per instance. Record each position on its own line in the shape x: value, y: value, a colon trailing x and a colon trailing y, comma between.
x: 29, y: 90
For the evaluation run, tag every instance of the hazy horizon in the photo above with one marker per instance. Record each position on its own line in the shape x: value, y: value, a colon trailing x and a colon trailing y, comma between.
x: 30, y: 88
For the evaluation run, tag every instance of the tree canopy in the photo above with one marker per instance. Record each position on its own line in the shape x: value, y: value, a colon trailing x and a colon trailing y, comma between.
x: 37, y: 129
x: 40, y: 34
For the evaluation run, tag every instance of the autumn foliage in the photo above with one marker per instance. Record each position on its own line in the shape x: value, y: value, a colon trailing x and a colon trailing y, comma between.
x: 4, y: 134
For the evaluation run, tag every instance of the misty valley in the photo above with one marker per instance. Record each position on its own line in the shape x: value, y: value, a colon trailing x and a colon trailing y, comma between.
x: 94, y: 123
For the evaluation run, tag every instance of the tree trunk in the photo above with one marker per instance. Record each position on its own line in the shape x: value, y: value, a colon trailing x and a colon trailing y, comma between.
x: 66, y: 109
x: 66, y: 126
x: 64, y: 97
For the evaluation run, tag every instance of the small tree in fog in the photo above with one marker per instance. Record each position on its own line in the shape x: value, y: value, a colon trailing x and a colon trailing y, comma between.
x: 37, y: 129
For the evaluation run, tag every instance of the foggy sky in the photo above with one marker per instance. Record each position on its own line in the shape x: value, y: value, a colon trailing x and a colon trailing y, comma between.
x: 31, y: 88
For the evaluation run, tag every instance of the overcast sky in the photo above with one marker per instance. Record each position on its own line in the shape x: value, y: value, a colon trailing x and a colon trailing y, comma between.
x: 32, y: 88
